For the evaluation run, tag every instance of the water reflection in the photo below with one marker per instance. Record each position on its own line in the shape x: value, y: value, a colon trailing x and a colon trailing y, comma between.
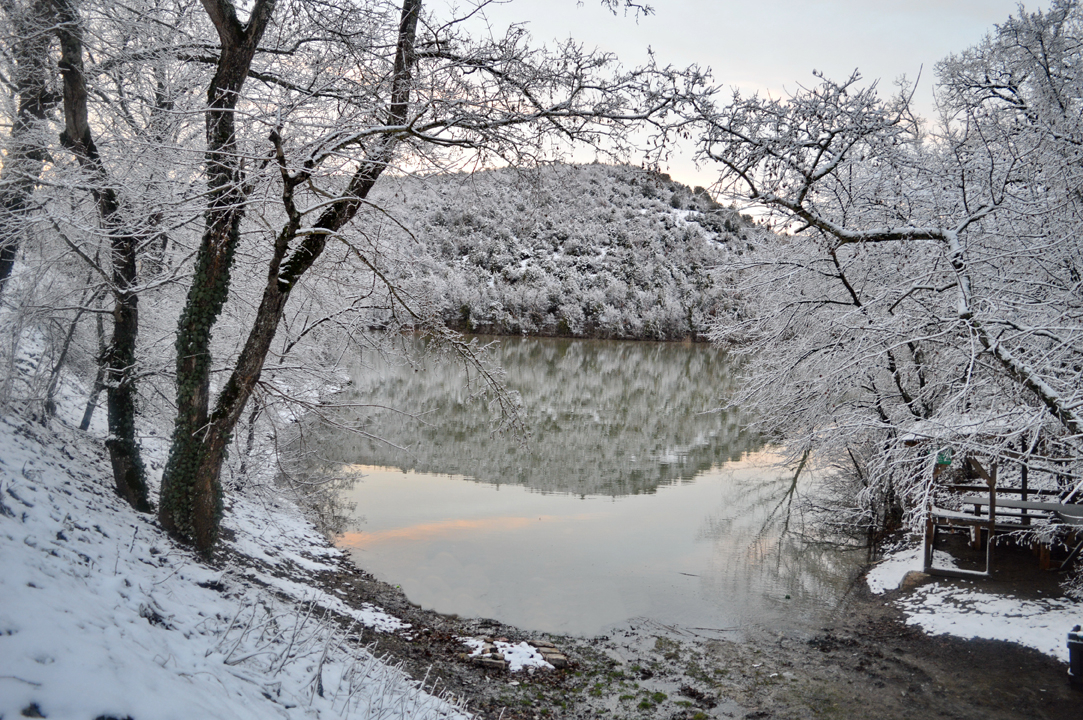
x: 702, y: 555
x: 628, y: 501
x: 606, y: 417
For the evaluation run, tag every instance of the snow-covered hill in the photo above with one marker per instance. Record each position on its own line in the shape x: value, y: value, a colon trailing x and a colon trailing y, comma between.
x: 576, y: 250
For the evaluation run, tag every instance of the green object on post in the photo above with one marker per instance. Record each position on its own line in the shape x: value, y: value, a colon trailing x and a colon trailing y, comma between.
x: 944, y: 457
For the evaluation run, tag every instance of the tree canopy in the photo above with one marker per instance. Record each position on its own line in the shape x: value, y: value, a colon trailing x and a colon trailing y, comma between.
x: 925, y: 290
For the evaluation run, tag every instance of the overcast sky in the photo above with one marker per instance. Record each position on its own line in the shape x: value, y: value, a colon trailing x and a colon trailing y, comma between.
x: 771, y: 45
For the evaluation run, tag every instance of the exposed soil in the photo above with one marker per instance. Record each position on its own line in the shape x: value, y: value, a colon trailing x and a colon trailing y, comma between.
x: 866, y: 663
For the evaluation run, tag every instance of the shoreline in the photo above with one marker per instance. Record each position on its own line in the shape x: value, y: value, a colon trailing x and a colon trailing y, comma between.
x: 864, y: 662
x: 693, y: 338
x: 79, y: 561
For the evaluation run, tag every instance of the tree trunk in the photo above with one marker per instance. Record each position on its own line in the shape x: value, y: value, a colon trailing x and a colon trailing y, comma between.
x: 190, y: 500
x: 129, y: 473
x: 200, y: 448
x: 25, y: 158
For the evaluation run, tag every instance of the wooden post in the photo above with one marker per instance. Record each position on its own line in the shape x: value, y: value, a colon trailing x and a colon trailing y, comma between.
x: 930, y: 525
x: 930, y: 538
x: 1024, y: 473
x: 991, y: 478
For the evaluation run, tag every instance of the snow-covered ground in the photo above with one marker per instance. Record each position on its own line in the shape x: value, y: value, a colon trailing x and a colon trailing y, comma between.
x: 517, y: 655
x: 965, y: 610
x: 102, y: 615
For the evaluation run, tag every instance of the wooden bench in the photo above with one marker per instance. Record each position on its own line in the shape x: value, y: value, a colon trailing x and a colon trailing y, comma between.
x: 994, y: 514
x: 1054, y: 512
x: 1067, y: 513
x: 937, y: 518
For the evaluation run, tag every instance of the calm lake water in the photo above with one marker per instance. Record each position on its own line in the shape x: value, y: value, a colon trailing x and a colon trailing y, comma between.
x: 630, y: 499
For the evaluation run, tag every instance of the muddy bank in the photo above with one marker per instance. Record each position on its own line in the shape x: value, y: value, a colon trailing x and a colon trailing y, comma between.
x: 865, y: 663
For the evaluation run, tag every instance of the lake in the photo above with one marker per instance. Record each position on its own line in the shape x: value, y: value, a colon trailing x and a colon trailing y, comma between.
x: 632, y: 497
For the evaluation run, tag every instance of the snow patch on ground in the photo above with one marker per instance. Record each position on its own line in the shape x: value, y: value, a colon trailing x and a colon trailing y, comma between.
x: 888, y: 574
x: 369, y: 615
x: 969, y: 613
x: 517, y: 655
x: 1039, y: 624
x: 102, y: 615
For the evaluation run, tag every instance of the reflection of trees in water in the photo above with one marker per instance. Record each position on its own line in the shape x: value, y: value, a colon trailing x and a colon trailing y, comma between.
x: 606, y: 418
x: 785, y: 552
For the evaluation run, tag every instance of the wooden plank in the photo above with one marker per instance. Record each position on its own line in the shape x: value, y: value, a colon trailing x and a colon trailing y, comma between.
x: 953, y: 514
x: 1068, y: 508
x: 1002, y: 490
x: 1069, y: 519
x: 957, y: 573
x: 962, y: 519
x: 982, y: 472
x: 1022, y: 515
x: 1008, y: 512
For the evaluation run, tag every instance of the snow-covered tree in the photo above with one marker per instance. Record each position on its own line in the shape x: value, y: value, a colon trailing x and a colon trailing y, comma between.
x: 346, y: 95
x: 213, y: 159
x: 28, y: 70
x: 926, y: 288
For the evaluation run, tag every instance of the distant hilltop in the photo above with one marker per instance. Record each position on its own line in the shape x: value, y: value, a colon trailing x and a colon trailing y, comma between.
x: 605, y: 251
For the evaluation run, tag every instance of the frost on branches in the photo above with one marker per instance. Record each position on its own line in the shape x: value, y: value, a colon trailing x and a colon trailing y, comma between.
x: 197, y: 225
x: 926, y: 291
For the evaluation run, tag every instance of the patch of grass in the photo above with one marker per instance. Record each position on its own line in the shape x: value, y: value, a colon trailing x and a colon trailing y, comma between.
x: 652, y: 700
x: 670, y: 649
x: 823, y: 702
x: 695, y: 671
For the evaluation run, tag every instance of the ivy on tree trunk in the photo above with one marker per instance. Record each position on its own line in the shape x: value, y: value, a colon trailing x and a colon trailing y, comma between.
x: 190, y: 504
x: 191, y: 491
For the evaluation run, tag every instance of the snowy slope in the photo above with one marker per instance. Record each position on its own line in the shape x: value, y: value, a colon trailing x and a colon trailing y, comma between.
x: 102, y: 616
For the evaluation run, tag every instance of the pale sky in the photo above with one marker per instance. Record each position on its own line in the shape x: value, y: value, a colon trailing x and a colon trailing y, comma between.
x: 772, y: 45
